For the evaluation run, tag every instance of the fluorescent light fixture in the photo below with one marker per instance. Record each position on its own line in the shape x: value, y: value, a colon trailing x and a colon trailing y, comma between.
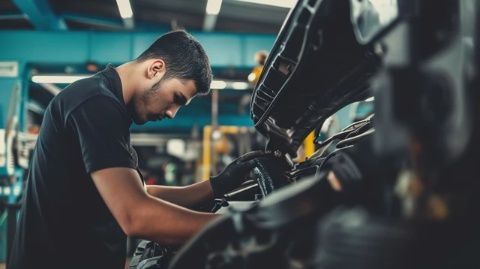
x: 16, y: 190
x: 176, y: 147
x: 6, y: 190
x: 237, y: 85
x: 216, y: 135
x: 51, y: 88
x: 213, y: 7
x: 276, y: 3
x: 125, y: 9
x: 229, y: 84
x: 251, y: 77
x: 65, y: 79
x: 218, y: 84
x: 370, y: 99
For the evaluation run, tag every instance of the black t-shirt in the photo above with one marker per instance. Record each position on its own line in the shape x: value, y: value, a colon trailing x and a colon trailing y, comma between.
x: 64, y: 223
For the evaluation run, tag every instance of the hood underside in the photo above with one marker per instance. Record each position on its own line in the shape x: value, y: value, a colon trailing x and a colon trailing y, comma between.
x: 315, y: 68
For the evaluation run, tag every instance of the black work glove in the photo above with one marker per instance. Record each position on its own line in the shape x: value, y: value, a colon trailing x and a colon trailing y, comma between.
x: 235, y: 173
x: 346, y: 170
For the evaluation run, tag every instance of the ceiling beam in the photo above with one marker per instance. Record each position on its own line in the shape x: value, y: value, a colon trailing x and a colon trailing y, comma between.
x: 95, y: 20
x: 41, y: 15
x: 118, y: 47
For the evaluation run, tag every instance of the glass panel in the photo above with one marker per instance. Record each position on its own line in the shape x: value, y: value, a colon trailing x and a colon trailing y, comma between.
x: 369, y: 17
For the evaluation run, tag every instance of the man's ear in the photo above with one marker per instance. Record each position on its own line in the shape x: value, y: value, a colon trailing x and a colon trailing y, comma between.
x: 156, y: 68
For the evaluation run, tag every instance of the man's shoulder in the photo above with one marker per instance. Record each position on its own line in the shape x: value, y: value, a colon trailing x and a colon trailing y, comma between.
x: 86, y: 88
x: 92, y: 89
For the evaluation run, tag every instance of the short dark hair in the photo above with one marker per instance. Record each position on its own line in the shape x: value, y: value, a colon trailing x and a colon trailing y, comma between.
x: 184, y: 57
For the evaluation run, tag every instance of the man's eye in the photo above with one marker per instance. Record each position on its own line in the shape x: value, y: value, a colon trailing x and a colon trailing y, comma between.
x: 179, y: 100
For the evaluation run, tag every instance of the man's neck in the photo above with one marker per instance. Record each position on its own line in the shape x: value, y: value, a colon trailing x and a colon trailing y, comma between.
x: 126, y: 72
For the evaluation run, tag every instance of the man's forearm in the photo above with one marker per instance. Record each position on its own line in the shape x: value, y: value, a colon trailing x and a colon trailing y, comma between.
x: 142, y: 215
x: 166, y: 223
x: 187, y: 196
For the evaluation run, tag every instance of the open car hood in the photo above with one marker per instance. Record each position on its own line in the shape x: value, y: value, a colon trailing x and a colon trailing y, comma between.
x: 316, y: 67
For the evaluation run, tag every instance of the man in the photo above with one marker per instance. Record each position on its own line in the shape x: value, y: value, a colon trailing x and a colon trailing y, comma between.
x: 84, y: 193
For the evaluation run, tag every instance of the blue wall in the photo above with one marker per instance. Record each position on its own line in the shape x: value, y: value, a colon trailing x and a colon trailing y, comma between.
x: 48, y: 47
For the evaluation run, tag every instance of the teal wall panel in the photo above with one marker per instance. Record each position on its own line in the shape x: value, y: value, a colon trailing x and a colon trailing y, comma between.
x: 110, y: 47
x: 141, y: 41
x: 3, y: 236
x: 224, y: 49
x: 6, y: 90
x: 256, y: 43
x: 44, y: 47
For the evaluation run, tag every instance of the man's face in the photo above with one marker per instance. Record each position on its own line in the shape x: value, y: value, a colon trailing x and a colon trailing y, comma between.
x: 163, y: 100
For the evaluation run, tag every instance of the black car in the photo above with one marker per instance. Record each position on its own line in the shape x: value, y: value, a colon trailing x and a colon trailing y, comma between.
x: 395, y: 190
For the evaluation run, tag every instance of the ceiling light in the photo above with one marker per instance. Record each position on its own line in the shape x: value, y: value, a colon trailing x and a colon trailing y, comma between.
x: 213, y: 7
x: 276, y: 3
x: 237, y: 85
x: 51, y: 88
x: 64, y: 79
x: 218, y: 84
x: 125, y: 9
x: 16, y: 190
x: 216, y: 135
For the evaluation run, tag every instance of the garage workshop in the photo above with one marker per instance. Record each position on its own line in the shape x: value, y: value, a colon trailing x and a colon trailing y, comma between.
x: 227, y: 134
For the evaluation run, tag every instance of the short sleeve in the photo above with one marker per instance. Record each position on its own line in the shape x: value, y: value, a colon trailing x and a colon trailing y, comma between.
x: 102, y: 130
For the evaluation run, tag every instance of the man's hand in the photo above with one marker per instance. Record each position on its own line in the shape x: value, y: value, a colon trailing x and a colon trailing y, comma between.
x: 344, y: 174
x: 235, y: 173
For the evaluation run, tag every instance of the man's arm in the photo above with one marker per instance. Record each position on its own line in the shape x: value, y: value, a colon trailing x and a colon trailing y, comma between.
x: 142, y: 215
x: 187, y: 196
x: 230, y: 178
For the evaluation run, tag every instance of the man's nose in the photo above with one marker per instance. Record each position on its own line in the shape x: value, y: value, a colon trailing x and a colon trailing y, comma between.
x: 171, y: 112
